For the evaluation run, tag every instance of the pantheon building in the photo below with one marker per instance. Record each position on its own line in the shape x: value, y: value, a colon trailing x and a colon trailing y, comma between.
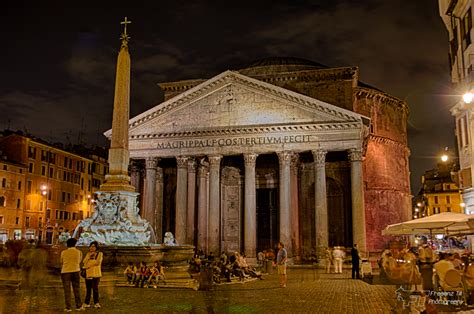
x: 284, y: 149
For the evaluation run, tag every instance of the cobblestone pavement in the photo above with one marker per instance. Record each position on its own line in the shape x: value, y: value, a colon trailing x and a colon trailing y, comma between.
x: 308, y: 291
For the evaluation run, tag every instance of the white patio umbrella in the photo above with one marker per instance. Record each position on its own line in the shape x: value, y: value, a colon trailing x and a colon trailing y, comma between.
x: 446, y: 223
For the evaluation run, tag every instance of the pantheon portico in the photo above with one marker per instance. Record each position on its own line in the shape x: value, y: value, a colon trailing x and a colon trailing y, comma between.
x: 237, y: 163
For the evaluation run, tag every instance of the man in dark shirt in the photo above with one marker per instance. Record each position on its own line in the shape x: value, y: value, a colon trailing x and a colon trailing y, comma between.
x: 355, y: 262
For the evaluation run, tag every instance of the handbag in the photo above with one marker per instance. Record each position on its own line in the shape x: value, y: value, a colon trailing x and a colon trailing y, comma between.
x: 83, y: 273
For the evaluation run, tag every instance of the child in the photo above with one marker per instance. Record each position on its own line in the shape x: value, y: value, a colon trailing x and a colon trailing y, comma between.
x: 144, y: 274
x: 157, y: 274
x: 130, y: 273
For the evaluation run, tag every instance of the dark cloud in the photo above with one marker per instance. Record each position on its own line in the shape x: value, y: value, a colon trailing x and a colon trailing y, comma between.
x: 59, y: 69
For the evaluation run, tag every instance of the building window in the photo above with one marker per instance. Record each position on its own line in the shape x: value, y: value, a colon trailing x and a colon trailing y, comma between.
x: 28, y: 186
x: 30, y: 167
x: 50, y: 195
x: 448, y: 209
x: 1, y: 220
x: 19, y: 185
x: 40, y: 222
x: 41, y: 206
x: 21, y: 170
x: 17, y: 220
x: 51, y: 172
x: 2, y: 201
x: 4, y: 183
x: 18, y: 203
x: 63, y: 197
x: 448, y: 199
x: 466, y: 25
x: 5, y: 167
x: 465, y: 135
x: 32, y: 152
x: 48, y: 213
x: 28, y: 204
x: 27, y: 222
x: 69, y: 197
x: 436, y: 199
x: 44, y: 155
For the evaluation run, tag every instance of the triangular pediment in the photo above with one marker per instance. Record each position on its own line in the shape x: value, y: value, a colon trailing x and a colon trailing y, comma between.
x: 232, y: 100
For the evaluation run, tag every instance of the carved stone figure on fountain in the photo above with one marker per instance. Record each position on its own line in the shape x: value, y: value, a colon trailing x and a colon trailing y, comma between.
x: 113, y: 223
x: 169, y: 239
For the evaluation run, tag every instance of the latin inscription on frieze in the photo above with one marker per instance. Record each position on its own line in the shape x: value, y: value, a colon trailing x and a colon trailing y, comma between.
x: 240, y: 141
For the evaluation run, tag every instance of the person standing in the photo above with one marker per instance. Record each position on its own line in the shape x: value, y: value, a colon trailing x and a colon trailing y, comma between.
x: 282, y: 258
x: 355, y: 262
x: 92, y: 264
x: 338, y: 255
x: 329, y: 260
x: 70, y: 267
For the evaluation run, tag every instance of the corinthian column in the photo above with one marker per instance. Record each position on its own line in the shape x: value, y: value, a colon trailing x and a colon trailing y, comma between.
x: 295, y: 227
x: 202, y: 207
x: 159, y: 205
x: 191, y: 201
x: 150, y: 187
x: 358, y: 208
x: 250, y: 216
x: 285, y: 220
x: 214, y: 204
x: 320, y: 199
x: 181, y: 199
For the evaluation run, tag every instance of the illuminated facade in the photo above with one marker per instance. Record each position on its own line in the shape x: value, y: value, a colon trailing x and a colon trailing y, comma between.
x: 57, y: 190
x: 457, y: 18
x: 12, y: 198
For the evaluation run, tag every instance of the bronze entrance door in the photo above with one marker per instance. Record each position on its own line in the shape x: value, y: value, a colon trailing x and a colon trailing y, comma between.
x: 267, y: 219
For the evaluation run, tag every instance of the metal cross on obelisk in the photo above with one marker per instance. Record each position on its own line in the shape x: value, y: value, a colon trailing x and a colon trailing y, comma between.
x: 125, y: 22
x: 124, y: 37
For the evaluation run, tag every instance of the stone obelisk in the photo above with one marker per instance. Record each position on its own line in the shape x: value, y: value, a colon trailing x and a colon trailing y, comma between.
x: 118, y: 178
x: 116, y: 220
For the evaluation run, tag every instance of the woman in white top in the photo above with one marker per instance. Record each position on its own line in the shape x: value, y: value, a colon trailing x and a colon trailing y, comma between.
x: 92, y: 264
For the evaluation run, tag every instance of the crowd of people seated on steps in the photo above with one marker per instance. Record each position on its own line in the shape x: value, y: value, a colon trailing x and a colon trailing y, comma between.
x: 140, y: 275
x: 224, y: 266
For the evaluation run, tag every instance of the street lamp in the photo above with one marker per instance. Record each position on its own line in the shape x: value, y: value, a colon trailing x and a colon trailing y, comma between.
x: 468, y: 97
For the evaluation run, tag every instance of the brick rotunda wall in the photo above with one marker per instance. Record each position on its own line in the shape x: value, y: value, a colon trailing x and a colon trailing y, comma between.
x: 386, y: 171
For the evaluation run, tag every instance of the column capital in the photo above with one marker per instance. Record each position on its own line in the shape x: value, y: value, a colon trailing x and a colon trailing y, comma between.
x: 151, y: 162
x: 182, y: 162
x: 355, y: 155
x: 295, y: 159
x: 215, y: 160
x: 284, y: 157
x: 319, y: 156
x: 250, y: 159
x: 192, y: 165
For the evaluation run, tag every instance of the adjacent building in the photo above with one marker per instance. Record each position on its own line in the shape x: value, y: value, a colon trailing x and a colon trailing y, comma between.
x: 48, y: 190
x: 457, y: 17
x: 439, y: 192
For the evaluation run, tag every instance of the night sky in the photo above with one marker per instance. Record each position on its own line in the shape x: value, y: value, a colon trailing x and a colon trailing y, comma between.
x: 58, y: 63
